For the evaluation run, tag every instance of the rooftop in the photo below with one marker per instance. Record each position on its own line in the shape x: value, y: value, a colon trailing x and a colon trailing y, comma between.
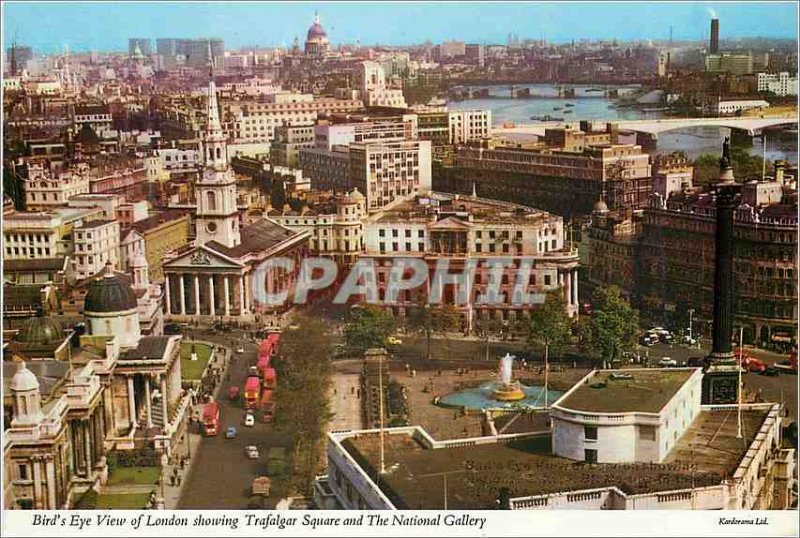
x: 711, y: 442
x: 259, y: 236
x: 423, y: 208
x: 475, y: 474
x: 647, y: 392
x: 149, y: 348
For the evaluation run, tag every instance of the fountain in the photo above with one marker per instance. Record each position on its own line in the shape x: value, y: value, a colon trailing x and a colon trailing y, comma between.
x: 507, y: 390
x: 501, y: 394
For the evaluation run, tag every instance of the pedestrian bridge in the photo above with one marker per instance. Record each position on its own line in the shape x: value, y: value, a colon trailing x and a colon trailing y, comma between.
x: 749, y: 125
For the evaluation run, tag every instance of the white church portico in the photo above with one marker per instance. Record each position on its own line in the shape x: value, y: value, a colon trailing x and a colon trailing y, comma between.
x: 202, y: 282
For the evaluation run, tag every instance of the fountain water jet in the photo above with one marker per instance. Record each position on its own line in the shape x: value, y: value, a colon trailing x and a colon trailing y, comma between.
x: 507, y: 390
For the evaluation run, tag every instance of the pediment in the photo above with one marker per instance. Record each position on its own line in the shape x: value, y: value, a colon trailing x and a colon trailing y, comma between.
x: 202, y: 258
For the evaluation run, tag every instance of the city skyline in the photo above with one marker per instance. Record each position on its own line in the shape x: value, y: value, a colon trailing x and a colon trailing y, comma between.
x: 107, y: 27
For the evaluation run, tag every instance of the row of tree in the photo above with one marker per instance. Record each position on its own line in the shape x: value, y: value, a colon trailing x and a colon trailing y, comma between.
x: 302, y: 408
x: 603, y: 336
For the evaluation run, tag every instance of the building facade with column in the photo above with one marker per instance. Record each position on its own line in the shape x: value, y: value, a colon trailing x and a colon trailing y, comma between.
x: 472, y: 231
x: 216, y: 275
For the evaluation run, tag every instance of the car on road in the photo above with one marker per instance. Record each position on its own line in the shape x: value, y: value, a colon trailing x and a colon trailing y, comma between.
x: 231, y: 433
x: 251, y: 451
x: 696, y: 362
x: 752, y: 364
x: 393, y: 341
x: 172, y: 328
x: 648, y: 339
x: 667, y: 362
x: 249, y: 420
x: 240, y: 349
x: 688, y: 340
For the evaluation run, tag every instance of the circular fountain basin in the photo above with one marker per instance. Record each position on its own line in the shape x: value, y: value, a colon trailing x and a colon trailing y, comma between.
x: 483, y: 397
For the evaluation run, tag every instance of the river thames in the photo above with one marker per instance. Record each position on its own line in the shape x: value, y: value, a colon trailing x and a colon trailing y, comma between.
x: 592, y: 105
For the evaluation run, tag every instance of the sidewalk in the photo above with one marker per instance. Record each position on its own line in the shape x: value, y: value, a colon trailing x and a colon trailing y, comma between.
x: 188, y: 444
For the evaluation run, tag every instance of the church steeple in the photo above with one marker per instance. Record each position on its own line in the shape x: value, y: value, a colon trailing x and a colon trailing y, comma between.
x: 215, y: 192
x: 216, y: 150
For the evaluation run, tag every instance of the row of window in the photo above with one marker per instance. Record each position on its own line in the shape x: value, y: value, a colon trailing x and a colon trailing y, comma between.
x: 25, y: 251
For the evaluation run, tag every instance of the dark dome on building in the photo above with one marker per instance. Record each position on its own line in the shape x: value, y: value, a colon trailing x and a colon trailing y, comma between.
x: 316, y: 30
x: 40, y: 331
x: 110, y: 293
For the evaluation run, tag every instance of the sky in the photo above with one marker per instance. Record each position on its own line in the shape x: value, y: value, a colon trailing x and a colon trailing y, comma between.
x: 106, y: 26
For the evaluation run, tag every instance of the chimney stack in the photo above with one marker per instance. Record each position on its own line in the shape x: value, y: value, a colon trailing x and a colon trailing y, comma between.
x: 714, y: 45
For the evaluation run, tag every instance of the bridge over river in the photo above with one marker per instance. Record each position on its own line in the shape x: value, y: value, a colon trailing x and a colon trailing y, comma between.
x: 750, y: 126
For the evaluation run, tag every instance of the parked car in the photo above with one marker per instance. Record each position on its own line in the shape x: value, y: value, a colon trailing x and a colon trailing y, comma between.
x: 667, y: 362
x: 251, y: 451
x: 688, y: 340
x: 231, y: 433
x: 665, y: 337
x: 249, y: 420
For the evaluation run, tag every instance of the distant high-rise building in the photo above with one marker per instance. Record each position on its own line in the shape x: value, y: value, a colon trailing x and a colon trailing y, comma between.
x: 713, y: 47
x: 190, y: 52
x: 17, y: 57
x: 145, y: 45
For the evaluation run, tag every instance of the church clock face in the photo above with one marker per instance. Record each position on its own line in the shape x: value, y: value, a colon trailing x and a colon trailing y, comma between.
x: 211, y: 227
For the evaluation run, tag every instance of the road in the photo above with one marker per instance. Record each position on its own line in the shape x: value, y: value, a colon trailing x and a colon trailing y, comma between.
x: 221, y: 475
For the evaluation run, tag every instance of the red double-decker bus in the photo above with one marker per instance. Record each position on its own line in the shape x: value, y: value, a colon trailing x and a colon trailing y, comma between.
x: 252, y: 389
x: 267, y: 405
x: 211, y: 419
x: 269, y: 378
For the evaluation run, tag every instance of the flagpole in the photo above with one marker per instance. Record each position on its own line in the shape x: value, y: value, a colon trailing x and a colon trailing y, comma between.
x: 739, y: 387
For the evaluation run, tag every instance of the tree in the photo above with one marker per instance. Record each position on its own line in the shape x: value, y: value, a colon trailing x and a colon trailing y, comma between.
x: 369, y: 327
x: 440, y: 318
x: 277, y: 193
x: 486, y: 327
x: 614, y: 325
x: 745, y: 166
x: 444, y: 319
x: 302, y: 407
x: 550, y: 325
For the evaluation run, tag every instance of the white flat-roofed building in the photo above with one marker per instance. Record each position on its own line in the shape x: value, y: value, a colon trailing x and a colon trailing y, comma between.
x: 780, y: 84
x: 469, y: 125
x: 32, y: 235
x: 94, y: 244
x: 727, y: 108
x: 624, y: 416
x: 722, y: 473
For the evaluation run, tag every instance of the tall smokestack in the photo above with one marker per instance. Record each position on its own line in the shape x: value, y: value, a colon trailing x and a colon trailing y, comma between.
x: 720, y: 383
x: 713, y: 47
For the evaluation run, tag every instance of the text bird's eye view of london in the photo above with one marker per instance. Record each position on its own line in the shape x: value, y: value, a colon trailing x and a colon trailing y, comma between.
x: 429, y: 258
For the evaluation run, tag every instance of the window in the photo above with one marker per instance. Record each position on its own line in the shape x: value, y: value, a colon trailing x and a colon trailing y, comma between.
x: 23, y: 471
x: 590, y: 433
x: 647, y: 433
x: 546, y: 280
x: 590, y: 455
